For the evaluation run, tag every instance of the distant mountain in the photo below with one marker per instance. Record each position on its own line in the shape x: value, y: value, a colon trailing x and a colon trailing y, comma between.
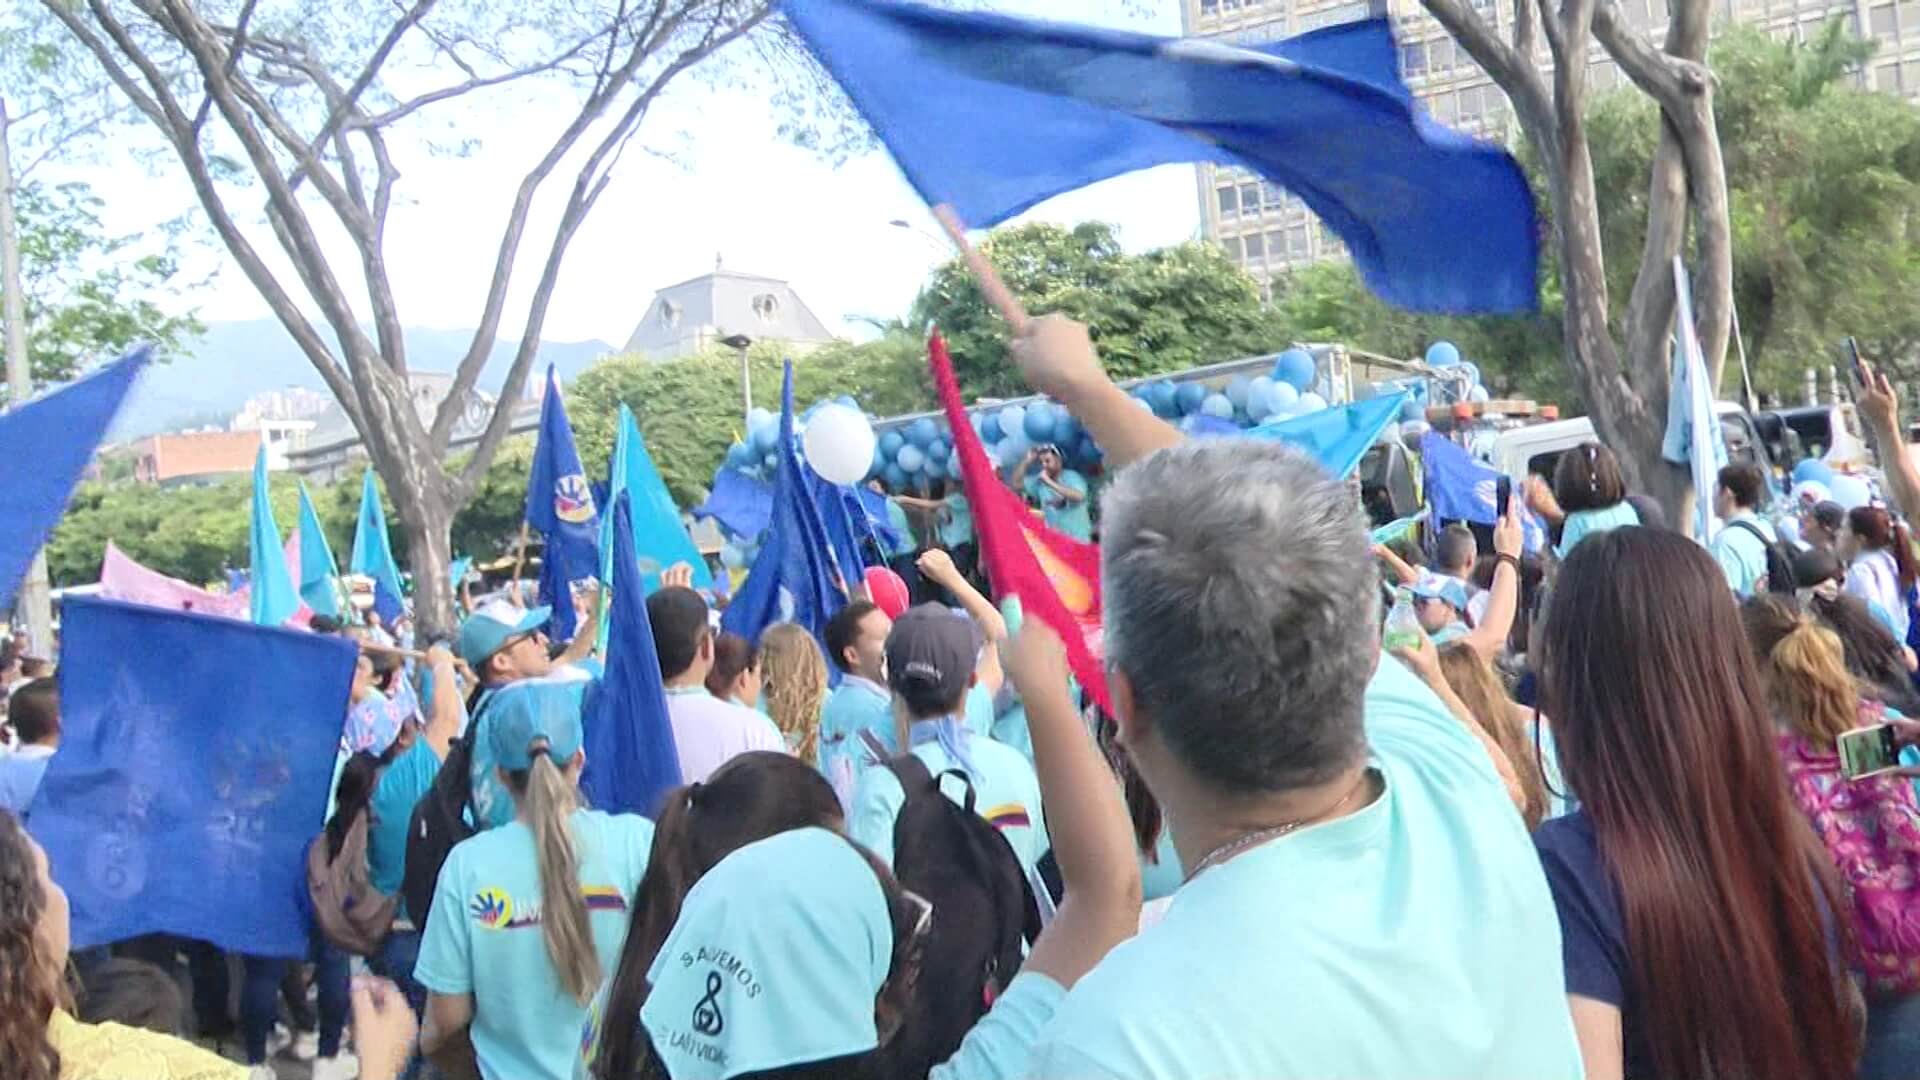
x: 233, y: 361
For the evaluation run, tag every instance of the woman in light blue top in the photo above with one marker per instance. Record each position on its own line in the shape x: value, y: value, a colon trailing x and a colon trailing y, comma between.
x: 1590, y: 491
x: 794, y: 956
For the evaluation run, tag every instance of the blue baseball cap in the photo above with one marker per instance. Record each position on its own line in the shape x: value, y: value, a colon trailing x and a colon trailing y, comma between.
x: 529, y: 712
x: 775, y: 960
x: 492, y: 625
x: 1432, y: 586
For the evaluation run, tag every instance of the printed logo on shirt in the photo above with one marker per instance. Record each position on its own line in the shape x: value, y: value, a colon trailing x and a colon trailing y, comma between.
x: 493, y: 908
x: 1008, y: 816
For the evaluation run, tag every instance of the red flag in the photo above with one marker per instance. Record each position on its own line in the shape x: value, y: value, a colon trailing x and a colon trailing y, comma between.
x: 1057, y: 578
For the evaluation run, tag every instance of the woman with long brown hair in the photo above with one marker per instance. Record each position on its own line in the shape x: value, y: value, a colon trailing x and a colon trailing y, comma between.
x: 794, y: 681
x: 1503, y: 720
x: 1870, y: 824
x: 1694, y: 899
x: 39, y: 1038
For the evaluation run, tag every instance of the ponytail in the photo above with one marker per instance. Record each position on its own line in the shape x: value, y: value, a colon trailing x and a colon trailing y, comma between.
x: 1903, y: 560
x: 550, y: 800
x: 1807, y: 674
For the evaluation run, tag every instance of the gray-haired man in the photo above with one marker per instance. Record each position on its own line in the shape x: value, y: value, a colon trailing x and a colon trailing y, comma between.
x: 1362, y: 899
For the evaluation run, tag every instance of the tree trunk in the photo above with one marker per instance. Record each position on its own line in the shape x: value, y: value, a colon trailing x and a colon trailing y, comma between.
x: 426, y: 517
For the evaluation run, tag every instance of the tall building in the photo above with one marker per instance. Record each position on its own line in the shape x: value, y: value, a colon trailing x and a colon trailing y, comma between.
x: 1267, y: 230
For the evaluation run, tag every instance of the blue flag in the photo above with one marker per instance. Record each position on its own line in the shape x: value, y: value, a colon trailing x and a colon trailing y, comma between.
x: 659, y: 538
x: 183, y: 798
x: 57, y: 435
x: 1461, y: 489
x: 631, y: 756
x: 272, y: 600
x: 792, y: 579
x: 560, y: 508
x: 319, y: 575
x: 373, y: 554
x: 1694, y: 437
x: 993, y: 114
x: 1337, y: 437
x: 844, y: 532
x: 742, y: 504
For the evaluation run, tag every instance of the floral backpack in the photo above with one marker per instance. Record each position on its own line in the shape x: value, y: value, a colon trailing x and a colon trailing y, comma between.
x: 1871, y: 828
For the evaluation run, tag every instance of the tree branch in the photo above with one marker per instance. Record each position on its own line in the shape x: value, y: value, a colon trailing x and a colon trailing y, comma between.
x: 337, y: 112
x: 1512, y: 70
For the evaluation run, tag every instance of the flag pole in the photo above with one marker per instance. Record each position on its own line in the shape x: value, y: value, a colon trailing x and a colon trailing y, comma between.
x: 992, y: 287
x: 520, y: 561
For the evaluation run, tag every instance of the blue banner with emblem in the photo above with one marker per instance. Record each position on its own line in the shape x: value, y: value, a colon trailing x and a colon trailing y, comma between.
x: 560, y: 508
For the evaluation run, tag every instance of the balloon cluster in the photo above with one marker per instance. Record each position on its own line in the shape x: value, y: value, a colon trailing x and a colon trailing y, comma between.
x: 1462, y: 376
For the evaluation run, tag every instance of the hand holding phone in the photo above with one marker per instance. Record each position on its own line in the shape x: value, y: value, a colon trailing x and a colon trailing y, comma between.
x: 1853, y: 358
x: 1503, y: 495
x: 1867, y: 751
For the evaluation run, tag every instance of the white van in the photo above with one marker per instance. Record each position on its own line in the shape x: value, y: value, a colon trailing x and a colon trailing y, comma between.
x: 1536, y: 448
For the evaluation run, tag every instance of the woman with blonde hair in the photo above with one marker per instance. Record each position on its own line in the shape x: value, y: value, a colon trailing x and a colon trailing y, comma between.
x: 793, y: 679
x: 1504, y: 720
x: 528, y: 917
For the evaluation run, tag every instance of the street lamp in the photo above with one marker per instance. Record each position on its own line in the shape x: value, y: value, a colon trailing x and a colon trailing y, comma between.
x: 939, y: 248
x: 739, y: 343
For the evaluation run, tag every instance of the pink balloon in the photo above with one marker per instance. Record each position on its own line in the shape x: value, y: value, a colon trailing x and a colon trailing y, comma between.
x: 886, y: 589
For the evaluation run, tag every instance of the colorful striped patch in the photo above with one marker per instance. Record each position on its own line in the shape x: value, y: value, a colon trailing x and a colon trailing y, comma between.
x: 604, y: 898
x: 1008, y: 816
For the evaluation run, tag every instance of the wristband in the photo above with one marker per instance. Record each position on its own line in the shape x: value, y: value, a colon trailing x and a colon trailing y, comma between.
x: 1509, y: 560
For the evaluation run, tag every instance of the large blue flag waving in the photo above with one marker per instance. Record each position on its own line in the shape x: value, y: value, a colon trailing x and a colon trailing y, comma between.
x: 1337, y: 437
x: 792, y: 579
x: 46, y: 445
x: 560, y: 508
x: 631, y: 756
x: 992, y: 114
x: 272, y: 600
x: 1459, y: 488
x: 319, y: 575
x: 659, y: 537
x: 182, y: 798
x: 373, y: 552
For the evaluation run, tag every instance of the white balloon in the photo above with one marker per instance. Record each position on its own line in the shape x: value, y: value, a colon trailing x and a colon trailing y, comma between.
x: 839, y: 443
x: 1309, y: 402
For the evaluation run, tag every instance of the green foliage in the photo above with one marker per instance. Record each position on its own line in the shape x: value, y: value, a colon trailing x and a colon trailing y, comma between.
x: 88, y: 295
x: 1161, y: 311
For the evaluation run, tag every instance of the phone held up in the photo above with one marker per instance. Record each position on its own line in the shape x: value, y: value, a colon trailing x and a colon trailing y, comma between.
x: 1867, y: 751
x: 1853, y: 358
x: 1503, y: 495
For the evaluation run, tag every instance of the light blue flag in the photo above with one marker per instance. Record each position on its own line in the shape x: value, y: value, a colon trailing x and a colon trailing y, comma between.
x: 457, y: 573
x: 1690, y: 411
x: 659, y: 538
x: 183, y: 798
x: 1337, y: 437
x: 319, y: 575
x: 272, y: 600
x: 57, y: 434
x: 373, y: 554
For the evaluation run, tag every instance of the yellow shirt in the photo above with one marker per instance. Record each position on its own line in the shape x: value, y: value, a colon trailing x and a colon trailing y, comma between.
x: 118, y: 1052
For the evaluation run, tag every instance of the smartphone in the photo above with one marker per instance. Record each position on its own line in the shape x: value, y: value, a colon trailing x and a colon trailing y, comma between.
x: 1503, y: 495
x: 1853, y: 357
x: 1867, y: 751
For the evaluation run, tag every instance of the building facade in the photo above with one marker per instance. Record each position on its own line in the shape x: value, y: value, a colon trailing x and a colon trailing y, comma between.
x: 333, y: 451
x: 700, y: 314
x: 194, y: 457
x: 1267, y: 230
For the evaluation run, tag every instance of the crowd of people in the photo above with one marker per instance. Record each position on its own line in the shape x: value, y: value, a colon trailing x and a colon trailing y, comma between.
x: 1592, y: 819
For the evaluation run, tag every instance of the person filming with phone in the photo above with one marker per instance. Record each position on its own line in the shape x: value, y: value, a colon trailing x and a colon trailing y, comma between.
x: 1840, y: 755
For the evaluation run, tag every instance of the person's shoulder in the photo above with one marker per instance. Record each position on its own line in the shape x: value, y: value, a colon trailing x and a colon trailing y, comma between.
x: 1568, y: 843
x: 615, y: 831
x: 483, y: 848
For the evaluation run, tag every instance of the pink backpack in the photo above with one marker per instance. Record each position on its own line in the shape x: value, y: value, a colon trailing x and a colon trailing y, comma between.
x: 1871, y: 828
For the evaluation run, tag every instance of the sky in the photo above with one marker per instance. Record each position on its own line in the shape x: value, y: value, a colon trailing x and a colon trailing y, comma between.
x: 714, y: 180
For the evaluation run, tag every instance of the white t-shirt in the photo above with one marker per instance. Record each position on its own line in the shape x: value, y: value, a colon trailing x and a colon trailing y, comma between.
x: 711, y: 732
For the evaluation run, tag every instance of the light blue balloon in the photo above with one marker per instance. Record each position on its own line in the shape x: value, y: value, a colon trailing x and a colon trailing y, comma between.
x: 934, y: 469
x: 1850, y: 492
x: 896, y: 478
x: 891, y: 442
x: 1088, y: 451
x: 1473, y: 372
x: 1442, y: 354
x: 765, y: 438
x: 1189, y: 397
x: 1039, y: 423
x: 911, y: 458
x: 1478, y: 393
x: 1066, y: 430
x: 1411, y: 409
x: 923, y: 432
x: 1813, y: 469
x: 937, y: 449
x: 1309, y: 402
x: 1389, y: 434
x: 739, y: 456
x: 1164, y: 398
x: 1259, y: 395
x: 1294, y: 368
x: 1217, y: 405
x: 1013, y: 448
x: 953, y: 462
x: 990, y: 431
x: 1013, y: 421
x: 758, y: 417
x: 1282, y: 399
x: 1237, y: 388
x: 879, y: 463
x: 1143, y: 403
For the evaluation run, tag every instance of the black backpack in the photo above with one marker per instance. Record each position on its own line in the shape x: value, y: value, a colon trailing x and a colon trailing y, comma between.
x: 983, y: 910
x: 1779, y: 558
x: 443, y: 817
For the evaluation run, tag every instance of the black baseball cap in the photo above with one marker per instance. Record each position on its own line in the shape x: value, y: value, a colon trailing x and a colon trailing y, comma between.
x: 931, y: 653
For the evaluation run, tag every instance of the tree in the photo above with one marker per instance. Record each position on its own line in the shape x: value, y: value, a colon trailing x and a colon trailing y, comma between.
x: 1824, y: 185
x: 1624, y: 383
x: 85, y: 298
x: 1164, y: 310
x: 307, y: 100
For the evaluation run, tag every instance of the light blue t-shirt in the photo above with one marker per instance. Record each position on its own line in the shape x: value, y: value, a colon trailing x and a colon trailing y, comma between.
x: 956, y: 522
x: 20, y: 776
x: 1584, y: 523
x: 1160, y: 875
x: 1070, y: 518
x: 1000, y: 1046
x: 980, y: 710
x: 484, y: 938
x: 1415, y: 937
x: 1006, y: 794
x: 857, y: 705
x: 405, y: 780
x: 1741, y: 555
x: 904, y: 543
